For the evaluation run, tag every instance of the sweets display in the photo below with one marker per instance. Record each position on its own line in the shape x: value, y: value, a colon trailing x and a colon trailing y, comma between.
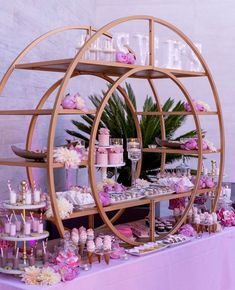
x: 161, y: 225
x: 78, y: 196
x: 147, y: 248
x: 24, y: 197
x: 175, y: 240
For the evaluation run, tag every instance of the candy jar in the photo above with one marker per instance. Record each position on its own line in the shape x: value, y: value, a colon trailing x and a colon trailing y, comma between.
x: 68, y: 254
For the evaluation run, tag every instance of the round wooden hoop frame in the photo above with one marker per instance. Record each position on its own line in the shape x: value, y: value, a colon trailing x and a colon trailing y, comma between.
x: 62, y: 84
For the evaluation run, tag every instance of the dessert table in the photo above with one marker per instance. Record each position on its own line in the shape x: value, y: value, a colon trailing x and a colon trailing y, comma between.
x: 205, y: 263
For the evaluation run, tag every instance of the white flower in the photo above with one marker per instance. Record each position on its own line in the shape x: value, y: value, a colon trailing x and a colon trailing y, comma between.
x: 80, y: 103
x: 49, y: 277
x: 210, y: 145
x: 65, y: 208
x: 31, y: 276
x: 70, y: 158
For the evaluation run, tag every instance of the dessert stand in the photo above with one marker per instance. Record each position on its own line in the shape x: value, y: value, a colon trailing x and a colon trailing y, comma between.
x: 115, y: 74
x: 22, y: 237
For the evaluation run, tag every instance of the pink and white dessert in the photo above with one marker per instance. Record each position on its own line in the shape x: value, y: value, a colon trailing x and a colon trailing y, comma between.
x: 83, y: 237
x: 107, y: 248
x: 99, y: 244
x: 81, y: 229
x: 102, y: 156
x: 125, y: 230
x: 90, y: 250
x: 90, y: 234
x: 75, y: 236
x: 103, y: 137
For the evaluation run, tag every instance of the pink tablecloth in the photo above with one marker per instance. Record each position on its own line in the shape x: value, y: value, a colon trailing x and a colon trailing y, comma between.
x: 203, y: 264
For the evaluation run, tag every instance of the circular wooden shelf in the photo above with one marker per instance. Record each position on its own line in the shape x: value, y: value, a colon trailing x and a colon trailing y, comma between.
x: 25, y: 238
x: 7, y: 205
x: 115, y: 74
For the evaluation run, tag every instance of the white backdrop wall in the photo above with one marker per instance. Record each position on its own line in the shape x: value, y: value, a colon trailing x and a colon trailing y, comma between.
x: 209, y: 22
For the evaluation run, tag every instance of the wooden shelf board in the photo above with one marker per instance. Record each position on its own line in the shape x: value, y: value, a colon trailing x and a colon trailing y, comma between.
x: 176, y: 151
x: 128, y: 204
x: 27, y: 163
x: 44, y: 112
x: 112, y: 207
x: 107, y: 68
x: 179, y: 195
x: 175, y: 113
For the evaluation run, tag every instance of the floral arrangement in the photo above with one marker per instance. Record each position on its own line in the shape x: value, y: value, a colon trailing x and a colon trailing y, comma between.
x: 204, y: 182
x: 192, y: 144
x: 187, y: 230
x: 104, y: 198
x: 123, y: 57
x: 104, y: 131
x: 102, y: 150
x: 200, y: 106
x: 110, y: 185
x: 74, y: 102
x: 40, y: 276
x: 177, y: 203
x: 107, y: 186
x: 70, y: 157
x: 226, y: 217
x: 64, y: 206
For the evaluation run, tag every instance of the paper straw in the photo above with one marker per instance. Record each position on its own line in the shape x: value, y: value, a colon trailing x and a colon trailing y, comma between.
x: 34, y: 186
x: 44, y: 248
x: 7, y: 218
x: 15, y: 215
x: 31, y: 214
x: 10, y: 218
x: 17, y: 253
x: 22, y: 218
x: 9, y: 185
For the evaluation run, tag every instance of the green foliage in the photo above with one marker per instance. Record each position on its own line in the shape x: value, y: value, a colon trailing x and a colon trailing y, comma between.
x: 118, y: 119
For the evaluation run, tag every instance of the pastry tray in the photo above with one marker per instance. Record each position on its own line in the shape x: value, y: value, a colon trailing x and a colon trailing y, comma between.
x: 161, y: 247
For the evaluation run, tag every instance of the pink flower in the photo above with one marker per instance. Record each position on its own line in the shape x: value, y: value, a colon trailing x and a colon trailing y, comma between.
x: 187, y: 230
x: 104, y: 131
x: 121, y: 57
x: 69, y: 102
x: 190, y: 144
x: 79, y: 101
x: 130, y: 58
x: 177, y: 203
x: 200, y: 106
x: 104, y: 198
x: 226, y: 217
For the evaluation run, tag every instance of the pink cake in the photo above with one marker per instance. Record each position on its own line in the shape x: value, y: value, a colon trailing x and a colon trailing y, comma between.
x: 125, y: 230
x: 114, y: 158
x: 116, y: 154
x: 103, y: 137
x: 102, y: 156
